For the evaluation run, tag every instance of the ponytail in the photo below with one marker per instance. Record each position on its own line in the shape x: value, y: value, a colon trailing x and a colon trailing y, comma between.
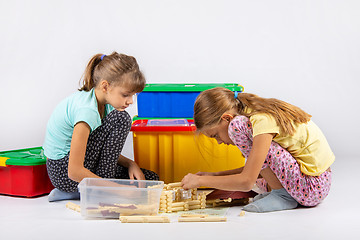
x: 88, y: 80
x: 112, y: 68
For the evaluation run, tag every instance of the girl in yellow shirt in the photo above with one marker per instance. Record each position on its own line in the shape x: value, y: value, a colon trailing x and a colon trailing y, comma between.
x: 287, y: 154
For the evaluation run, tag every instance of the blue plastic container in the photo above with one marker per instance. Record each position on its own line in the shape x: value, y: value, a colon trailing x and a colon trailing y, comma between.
x: 173, y: 100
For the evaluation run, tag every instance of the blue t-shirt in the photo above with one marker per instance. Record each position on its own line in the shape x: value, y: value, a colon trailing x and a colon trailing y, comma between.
x: 79, y: 107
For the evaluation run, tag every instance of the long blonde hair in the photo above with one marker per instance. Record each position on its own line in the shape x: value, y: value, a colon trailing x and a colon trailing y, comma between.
x: 113, y: 68
x: 211, y: 104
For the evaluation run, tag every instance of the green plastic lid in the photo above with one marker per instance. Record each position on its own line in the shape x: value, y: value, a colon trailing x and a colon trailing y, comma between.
x: 24, y: 157
x: 190, y: 87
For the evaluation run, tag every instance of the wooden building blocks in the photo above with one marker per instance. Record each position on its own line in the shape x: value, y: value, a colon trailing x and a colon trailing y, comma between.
x: 174, y: 198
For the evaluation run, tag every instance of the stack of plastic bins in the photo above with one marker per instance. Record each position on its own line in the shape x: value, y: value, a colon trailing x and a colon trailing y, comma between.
x: 23, y: 173
x: 170, y: 148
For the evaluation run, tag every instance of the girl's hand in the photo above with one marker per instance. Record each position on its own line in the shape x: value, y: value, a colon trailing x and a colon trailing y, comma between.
x: 135, y: 171
x: 191, y: 181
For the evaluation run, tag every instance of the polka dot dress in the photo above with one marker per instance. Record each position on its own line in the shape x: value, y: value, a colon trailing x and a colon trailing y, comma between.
x: 103, y: 149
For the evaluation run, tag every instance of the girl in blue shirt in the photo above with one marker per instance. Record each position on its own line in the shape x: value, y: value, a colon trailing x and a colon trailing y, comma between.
x: 87, y: 131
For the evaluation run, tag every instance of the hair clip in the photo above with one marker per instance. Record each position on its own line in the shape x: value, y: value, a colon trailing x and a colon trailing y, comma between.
x: 236, y: 94
x: 103, y: 56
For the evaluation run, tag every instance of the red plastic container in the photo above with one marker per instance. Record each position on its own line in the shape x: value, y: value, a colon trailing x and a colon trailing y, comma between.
x: 23, y: 173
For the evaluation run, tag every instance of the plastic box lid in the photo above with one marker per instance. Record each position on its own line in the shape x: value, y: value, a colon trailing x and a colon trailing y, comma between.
x: 118, y: 184
x: 163, y: 125
x: 23, y: 157
x: 190, y: 87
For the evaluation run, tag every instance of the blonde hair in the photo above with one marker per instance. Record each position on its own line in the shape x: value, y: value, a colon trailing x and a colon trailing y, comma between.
x: 113, y: 68
x: 211, y: 104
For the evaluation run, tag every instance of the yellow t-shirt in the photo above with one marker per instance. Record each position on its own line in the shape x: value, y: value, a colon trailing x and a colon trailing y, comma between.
x: 308, y: 145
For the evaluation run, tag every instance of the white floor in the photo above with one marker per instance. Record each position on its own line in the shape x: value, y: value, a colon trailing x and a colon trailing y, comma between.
x: 337, y: 217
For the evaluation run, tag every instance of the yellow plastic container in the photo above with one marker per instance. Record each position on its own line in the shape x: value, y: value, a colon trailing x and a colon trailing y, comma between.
x: 172, y: 151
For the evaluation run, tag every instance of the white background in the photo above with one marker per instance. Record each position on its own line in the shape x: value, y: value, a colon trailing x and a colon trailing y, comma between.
x: 303, y: 52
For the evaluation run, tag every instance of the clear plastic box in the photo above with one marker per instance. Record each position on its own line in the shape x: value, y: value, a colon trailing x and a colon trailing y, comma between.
x: 110, y: 198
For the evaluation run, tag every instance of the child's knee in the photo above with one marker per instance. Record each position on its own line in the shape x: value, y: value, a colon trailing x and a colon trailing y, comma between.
x: 116, y: 117
x: 150, y: 175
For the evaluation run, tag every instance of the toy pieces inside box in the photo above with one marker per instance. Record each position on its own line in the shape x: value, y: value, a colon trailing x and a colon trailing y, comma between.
x: 110, y: 198
x: 174, y: 100
x: 23, y: 173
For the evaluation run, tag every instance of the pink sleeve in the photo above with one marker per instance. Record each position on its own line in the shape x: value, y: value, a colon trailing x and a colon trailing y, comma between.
x: 237, y: 129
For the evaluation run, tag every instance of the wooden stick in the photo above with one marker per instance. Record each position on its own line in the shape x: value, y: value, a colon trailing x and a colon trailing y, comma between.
x: 194, y: 202
x: 178, y: 204
x: 202, y: 219
x: 193, y: 215
x: 73, y: 206
x: 194, y: 207
x: 175, y: 209
x: 139, y: 212
x: 144, y: 219
x: 172, y: 185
